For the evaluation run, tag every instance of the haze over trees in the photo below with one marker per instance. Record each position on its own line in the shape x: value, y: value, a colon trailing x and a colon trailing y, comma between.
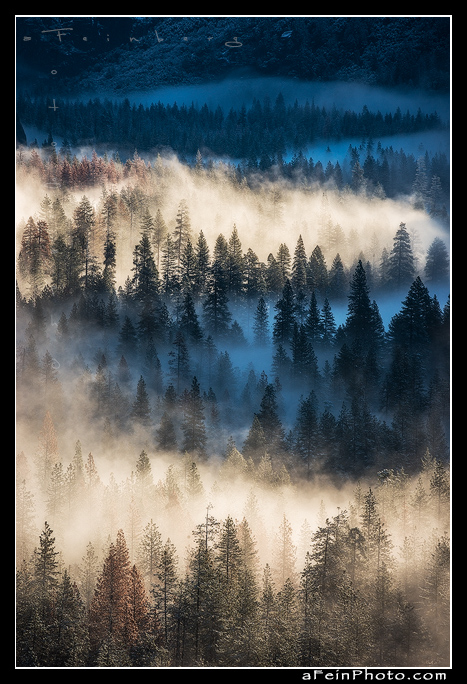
x: 217, y: 368
x: 233, y: 378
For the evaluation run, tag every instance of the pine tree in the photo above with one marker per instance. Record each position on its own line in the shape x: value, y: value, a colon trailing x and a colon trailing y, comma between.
x: 182, y: 230
x: 401, y: 261
x: 193, y: 423
x: 47, y: 452
x: 306, y: 431
x: 255, y: 445
x: 410, y: 327
x: 202, y: 266
x: 437, y: 262
x: 189, y: 323
x: 166, y: 434
x: 179, y: 362
x: 149, y: 553
x: 216, y: 313
x: 285, y: 316
x: 165, y: 590
x: 269, y: 420
x: 110, y: 613
x: 45, y: 573
x: 84, y: 219
x: 317, y: 273
x: 361, y: 325
x: 235, y: 266
x: 299, y: 267
x: 328, y: 324
x: 313, y: 324
x: 88, y: 574
x: 285, y: 555
x: 69, y: 642
x: 141, y: 411
x: 169, y: 273
x: 35, y: 256
x: 261, y: 324
x: 145, y: 276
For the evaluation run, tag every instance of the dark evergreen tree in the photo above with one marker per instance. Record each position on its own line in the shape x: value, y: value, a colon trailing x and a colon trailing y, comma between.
x: 299, y: 267
x: 141, y: 411
x: 179, y: 362
x: 412, y: 326
x: 437, y: 262
x: 182, y: 231
x: 328, y: 325
x: 127, y: 339
x: 269, y: 420
x: 306, y: 431
x: 261, y: 324
x: 193, y: 423
x: 285, y: 317
x: 317, y: 273
x: 313, y: 324
x: 189, y: 324
x: 145, y: 277
x: 401, y: 261
x: 362, y: 325
x: 216, y: 313
x: 235, y: 268
x: 202, y: 266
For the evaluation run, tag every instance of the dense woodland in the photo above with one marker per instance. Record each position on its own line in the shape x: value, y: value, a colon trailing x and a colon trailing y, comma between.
x: 261, y: 134
x: 184, y: 408
x: 124, y: 54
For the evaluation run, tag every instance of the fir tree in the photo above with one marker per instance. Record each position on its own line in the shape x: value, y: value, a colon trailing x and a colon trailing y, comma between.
x: 145, y: 277
x: 401, y: 261
x: 261, y: 324
x: 141, y: 412
x: 193, y: 425
x: 285, y: 317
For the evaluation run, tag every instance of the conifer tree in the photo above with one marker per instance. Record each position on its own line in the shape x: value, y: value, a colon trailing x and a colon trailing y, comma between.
x: 47, y: 452
x: 261, y: 323
x: 285, y: 317
x: 189, y: 323
x: 299, y: 267
x: 165, y: 590
x: 362, y: 325
x: 202, y: 265
x: 437, y: 262
x: 35, y: 256
x: 285, y: 555
x: 112, y: 611
x: 159, y: 232
x: 69, y: 644
x: 169, y: 274
x: 306, y: 431
x: 216, y: 313
x: 401, y: 261
x: 45, y: 573
x: 235, y: 266
x: 317, y: 274
x: 269, y: 420
x: 182, y: 231
x: 145, y: 276
x: 179, y: 362
x: 149, y: 553
x: 88, y: 574
x: 193, y: 423
x: 141, y: 411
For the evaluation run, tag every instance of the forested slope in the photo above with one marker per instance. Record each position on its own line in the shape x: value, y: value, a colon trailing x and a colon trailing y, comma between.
x: 196, y: 375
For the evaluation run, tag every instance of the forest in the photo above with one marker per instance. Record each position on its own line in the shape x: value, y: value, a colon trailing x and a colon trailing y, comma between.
x: 226, y: 457
x: 124, y: 54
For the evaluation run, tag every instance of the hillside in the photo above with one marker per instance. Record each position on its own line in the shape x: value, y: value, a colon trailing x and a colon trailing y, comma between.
x: 122, y: 54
